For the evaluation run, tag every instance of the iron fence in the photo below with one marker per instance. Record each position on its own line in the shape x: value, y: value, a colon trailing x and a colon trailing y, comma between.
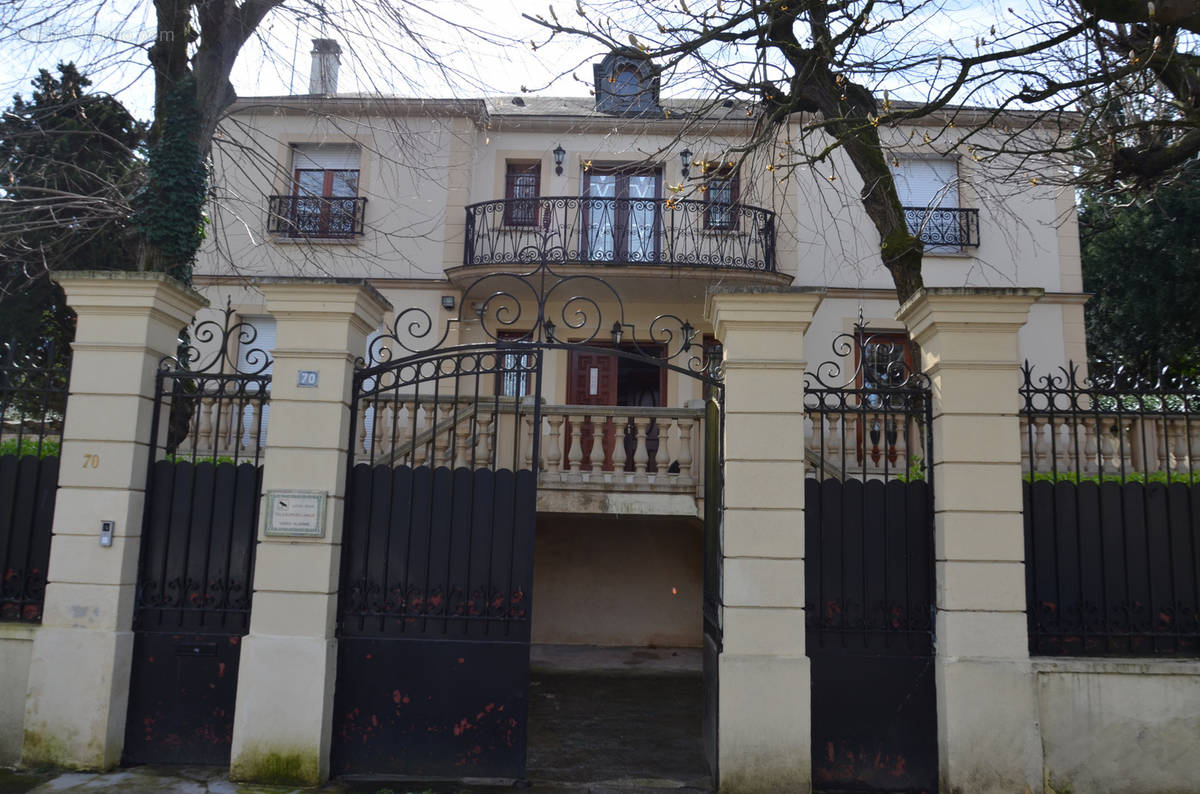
x: 1112, y: 547
x: 33, y: 400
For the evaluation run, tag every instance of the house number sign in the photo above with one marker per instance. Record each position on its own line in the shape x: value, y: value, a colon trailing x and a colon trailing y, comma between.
x: 296, y: 514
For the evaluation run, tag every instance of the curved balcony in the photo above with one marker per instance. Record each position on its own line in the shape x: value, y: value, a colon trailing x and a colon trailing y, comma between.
x: 605, y: 231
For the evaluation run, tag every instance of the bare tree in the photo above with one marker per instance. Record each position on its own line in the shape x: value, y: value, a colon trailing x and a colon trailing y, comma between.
x: 822, y: 77
x: 189, y: 49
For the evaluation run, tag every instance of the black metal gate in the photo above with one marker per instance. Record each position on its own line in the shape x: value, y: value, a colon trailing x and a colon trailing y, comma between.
x: 433, y: 620
x: 441, y: 499
x: 198, y: 542
x: 869, y: 577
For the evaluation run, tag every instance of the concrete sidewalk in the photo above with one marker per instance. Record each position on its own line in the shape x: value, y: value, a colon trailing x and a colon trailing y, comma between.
x: 602, y: 721
x: 211, y: 780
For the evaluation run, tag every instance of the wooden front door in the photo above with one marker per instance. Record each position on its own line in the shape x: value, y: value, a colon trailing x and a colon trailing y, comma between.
x: 593, y: 381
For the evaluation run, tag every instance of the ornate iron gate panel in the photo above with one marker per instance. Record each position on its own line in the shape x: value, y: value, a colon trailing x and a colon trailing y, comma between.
x: 437, y: 570
x: 437, y: 558
x: 869, y: 573
x: 198, y: 541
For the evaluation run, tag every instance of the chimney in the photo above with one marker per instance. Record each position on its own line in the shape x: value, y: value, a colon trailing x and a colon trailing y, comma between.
x: 325, y: 61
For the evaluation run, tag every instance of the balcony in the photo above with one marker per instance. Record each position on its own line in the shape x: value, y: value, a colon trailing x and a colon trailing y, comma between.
x: 621, y: 232
x: 316, y: 217
x: 944, y: 228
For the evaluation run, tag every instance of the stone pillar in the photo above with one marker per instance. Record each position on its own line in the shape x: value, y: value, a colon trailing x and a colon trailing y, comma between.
x: 281, y: 728
x: 988, y: 736
x: 763, y: 712
x: 79, y: 679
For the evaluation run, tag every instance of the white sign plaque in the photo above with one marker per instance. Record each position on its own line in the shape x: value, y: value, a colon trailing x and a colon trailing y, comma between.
x: 296, y: 514
x: 307, y: 378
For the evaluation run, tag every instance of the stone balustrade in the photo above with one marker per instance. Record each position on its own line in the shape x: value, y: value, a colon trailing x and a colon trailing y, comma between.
x: 863, y: 444
x: 221, y: 426
x: 1092, y: 444
x: 620, y: 448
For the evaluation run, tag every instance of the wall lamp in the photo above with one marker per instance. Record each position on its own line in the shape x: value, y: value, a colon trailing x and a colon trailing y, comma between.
x: 559, y: 154
x: 448, y: 302
x: 686, y: 157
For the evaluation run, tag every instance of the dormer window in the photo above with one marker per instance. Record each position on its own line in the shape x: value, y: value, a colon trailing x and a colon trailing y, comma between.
x: 626, y: 85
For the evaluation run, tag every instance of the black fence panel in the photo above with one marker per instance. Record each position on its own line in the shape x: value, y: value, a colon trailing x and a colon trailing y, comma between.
x: 1111, y: 569
x: 28, y: 486
x: 33, y: 398
x: 1112, y: 531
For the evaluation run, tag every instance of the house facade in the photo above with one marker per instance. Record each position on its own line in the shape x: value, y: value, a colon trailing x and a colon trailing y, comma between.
x: 450, y: 358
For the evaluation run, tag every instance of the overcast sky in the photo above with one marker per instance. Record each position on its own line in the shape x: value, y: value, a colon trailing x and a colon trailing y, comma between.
x: 277, y: 61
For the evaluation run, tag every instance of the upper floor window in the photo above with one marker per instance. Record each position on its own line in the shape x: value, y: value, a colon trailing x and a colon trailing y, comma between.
x: 626, y: 85
x: 324, y: 192
x: 928, y: 189
x: 721, y: 194
x: 522, y: 186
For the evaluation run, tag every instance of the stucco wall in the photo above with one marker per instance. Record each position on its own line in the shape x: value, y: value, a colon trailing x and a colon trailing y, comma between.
x: 1120, y: 726
x: 16, y: 649
x: 616, y: 580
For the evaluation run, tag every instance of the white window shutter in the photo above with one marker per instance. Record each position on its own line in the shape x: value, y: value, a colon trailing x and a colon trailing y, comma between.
x: 927, y: 183
x: 326, y: 156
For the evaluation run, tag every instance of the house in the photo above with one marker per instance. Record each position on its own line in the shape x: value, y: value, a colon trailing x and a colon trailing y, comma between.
x: 462, y: 356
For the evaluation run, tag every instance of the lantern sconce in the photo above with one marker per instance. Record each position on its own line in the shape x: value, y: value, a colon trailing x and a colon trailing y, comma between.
x: 686, y: 157
x: 559, y: 154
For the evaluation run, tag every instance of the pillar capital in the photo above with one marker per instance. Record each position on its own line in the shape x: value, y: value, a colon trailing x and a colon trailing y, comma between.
x: 954, y: 322
x: 762, y: 323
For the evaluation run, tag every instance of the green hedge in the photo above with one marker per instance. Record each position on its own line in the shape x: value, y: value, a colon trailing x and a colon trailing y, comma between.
x: 29, y: 446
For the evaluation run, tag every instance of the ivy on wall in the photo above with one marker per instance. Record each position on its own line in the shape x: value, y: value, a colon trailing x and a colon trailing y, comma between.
x: 169, y: 210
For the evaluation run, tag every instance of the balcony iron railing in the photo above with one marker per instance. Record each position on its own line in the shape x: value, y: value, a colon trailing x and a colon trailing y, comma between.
x: 944, y: 227
x: 605, y: 231
x: 316, y: 216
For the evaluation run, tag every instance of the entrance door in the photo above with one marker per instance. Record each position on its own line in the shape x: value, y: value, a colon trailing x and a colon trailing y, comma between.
x: 622, y: 214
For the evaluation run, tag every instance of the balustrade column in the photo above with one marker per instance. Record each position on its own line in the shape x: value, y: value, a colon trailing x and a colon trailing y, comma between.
x: 685, y: 448
x: 575, y: 456
x: 988, y: 738
x: 554, y: 445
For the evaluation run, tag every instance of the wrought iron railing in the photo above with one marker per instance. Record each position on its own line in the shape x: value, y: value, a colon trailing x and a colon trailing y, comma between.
x: 949, y: 227
x: 316, y: 216
x: 1112, y: 537
x: 605, y: 231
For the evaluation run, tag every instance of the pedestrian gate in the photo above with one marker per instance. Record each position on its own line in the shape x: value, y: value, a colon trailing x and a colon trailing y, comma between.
x: 197, y: 551
x: 869, y: 570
